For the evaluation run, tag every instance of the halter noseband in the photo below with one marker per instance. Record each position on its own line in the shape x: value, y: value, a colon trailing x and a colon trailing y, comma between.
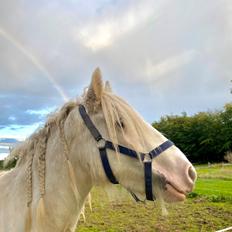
x: 104, y: 144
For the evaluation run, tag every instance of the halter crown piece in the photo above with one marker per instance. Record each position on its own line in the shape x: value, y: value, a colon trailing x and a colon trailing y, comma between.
x: 104, y: 144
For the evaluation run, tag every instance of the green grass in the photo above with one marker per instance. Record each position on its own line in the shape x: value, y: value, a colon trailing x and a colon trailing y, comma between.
x: 214, y: 187
x: 218, y: 171
x: 214, y: 182
x: 208, y: 209
x: 197, y: 214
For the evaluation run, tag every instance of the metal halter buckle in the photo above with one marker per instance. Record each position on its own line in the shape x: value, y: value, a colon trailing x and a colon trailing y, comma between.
x: 101, y: 144
x: 147, y: 158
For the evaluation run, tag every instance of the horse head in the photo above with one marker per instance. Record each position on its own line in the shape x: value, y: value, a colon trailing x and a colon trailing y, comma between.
x: 122, y: 130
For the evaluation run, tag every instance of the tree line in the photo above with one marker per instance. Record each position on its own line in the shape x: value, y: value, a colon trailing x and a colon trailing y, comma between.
x: 203, y: 137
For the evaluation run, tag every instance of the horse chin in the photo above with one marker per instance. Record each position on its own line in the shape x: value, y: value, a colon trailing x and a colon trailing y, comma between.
x: 171, y: 194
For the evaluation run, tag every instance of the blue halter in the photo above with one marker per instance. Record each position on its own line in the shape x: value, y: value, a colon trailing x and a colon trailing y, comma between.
x: 103, y: 145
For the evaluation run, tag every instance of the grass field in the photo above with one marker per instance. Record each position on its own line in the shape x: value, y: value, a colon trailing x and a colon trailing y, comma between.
x: 215, y: 182
x: 208, y: 208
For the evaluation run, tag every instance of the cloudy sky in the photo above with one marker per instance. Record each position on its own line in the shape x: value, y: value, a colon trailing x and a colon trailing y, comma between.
x: 162, y: 56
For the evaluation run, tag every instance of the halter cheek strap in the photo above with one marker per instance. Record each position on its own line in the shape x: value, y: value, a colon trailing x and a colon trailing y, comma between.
x: 103, y: 145
x: 106, y: 166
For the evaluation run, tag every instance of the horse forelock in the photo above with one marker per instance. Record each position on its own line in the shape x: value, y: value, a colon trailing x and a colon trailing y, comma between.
x: 122, y: 120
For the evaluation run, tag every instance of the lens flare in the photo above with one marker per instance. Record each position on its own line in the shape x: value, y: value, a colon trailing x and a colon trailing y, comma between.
x: 35, y: 61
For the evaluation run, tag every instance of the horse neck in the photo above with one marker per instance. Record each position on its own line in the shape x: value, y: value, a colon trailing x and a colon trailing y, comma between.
x: 67, y: 197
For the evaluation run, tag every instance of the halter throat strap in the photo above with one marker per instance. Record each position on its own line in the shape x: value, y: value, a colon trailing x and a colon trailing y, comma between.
x: 103, y: 145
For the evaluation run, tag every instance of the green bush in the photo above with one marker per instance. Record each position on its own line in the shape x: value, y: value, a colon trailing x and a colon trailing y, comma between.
x: 203, y: 137
x: 1, y: 164
x: 9, y: 166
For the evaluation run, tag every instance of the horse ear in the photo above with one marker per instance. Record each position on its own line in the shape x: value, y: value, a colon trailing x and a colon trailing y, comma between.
x: 93, y: 96
x: 108, y: 86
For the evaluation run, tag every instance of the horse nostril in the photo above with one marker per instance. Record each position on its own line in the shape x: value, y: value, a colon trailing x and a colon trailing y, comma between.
x: 192, y: 173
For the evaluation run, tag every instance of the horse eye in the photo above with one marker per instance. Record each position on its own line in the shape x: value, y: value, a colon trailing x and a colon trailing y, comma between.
x: 120, y: 124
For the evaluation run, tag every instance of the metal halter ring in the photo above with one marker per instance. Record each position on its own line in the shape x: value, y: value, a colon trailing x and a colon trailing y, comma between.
x: 101, y: 144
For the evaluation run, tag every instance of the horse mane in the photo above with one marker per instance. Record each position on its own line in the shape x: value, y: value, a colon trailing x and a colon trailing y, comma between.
x: 36, y: 145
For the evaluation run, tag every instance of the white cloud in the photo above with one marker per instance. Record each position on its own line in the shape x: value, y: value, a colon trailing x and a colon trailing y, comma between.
x: 12, y: 118
x: 105, y: 31
x: 42, y: 112
x: 168, y: 65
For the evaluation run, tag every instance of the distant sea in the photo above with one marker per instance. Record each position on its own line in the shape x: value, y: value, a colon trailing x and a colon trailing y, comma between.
x: 4, y: 151
x: 5, y: 145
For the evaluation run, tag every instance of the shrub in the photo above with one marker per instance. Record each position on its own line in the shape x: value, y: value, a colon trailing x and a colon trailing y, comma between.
x: 1, y: 164
x: 203, y: 137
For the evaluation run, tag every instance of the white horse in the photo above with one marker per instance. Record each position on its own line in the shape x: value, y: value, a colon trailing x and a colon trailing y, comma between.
x: 60, y: 163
